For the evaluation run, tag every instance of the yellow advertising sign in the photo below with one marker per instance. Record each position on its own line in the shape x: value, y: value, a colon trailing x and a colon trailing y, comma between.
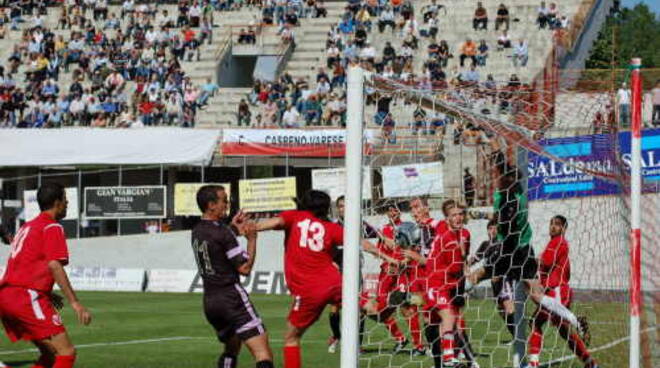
x: 263, y: 195
x: 185, y: 197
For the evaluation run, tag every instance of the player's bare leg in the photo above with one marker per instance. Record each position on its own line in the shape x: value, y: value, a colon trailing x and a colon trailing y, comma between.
x: 260, y: 349
x: 371, y: 310
x: 463, y: 341
x: 46, y: 357
x: 61, y: 346
x: 292, y: 337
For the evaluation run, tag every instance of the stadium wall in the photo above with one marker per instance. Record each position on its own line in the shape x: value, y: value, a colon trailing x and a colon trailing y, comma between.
x: 164, y: 262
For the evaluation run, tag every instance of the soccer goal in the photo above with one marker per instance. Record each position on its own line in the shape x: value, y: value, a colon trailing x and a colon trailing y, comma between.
x: 532, y: 174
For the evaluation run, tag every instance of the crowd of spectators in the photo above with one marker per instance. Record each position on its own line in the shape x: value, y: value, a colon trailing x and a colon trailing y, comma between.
x: 124, y: 69
x: 121, y: 70
x: 350, y: 42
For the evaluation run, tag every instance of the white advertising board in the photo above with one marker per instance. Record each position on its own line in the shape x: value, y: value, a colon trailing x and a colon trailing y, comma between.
x: 32, y: 207
x: 333, y: 182
x: 412, y: 180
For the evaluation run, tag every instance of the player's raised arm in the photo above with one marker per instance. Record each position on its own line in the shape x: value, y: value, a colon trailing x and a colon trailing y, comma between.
x: 250, y: 230
x: 369, y: 247
x: 275, y: 223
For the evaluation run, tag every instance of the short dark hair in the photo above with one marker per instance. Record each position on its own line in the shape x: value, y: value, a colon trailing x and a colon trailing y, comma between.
x: 339, y: 199
x: 48, y: 193
x: 316, y: 202
x: 492, y: 222
x: 207, y: 194
x: 447, y: 205
x: 562, y: 219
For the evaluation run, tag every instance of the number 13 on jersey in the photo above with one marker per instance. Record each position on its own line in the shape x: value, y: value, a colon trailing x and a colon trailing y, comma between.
x: 311, y: 235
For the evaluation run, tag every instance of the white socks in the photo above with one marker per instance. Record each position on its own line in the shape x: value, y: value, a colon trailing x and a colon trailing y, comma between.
x: 554, y: 306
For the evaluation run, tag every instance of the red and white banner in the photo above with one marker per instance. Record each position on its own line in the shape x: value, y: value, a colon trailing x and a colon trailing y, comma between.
x: 294, y: 142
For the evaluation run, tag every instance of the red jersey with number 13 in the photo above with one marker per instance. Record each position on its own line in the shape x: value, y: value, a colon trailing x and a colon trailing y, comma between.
x: 36, y: 243
x: 309, y: 246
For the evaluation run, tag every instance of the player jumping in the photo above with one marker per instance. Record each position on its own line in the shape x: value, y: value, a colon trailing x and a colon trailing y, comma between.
x: 311, y: 275
x: 554, y: 277
x: 220, y: 260
x: 38, y: 255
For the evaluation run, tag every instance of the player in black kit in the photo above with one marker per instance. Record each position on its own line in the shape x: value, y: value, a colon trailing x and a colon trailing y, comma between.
x: 221, y: 261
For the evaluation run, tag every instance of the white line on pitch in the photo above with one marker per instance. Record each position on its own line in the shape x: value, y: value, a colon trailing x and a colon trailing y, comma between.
x: 135, y: 342
x: 117, y: 343
x: 603, y: 347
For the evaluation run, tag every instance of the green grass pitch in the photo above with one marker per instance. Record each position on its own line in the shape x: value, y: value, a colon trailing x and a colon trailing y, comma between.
x: 153, y: 330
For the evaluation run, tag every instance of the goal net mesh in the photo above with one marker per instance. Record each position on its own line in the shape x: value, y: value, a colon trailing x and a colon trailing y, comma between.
x: 572, y: 153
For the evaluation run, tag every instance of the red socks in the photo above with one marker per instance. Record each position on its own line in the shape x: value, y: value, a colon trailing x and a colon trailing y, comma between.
x: 394, y: 329
x: 64, y: 361
x: 415, y: 330
x: 448, y: 347
x: 292, y: 357
x: 534, y: 347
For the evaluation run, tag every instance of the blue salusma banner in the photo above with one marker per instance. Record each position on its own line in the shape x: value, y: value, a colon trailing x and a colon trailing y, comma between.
x: 549, y: 179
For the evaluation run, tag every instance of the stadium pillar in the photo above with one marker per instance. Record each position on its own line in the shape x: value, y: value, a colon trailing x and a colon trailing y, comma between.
x: 353, y: 220
x: 635, y: 206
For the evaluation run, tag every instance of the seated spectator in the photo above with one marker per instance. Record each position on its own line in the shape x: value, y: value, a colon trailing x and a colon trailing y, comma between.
x: 288, y: 35
x: 244, y: 114
x: 360, y: 37
x: 482, y: 53
x: 388, y: 53
x: 553, y: 16
x: 338, y: 75
x: 208, y: 89
x: 419, y: 121
x: 520, y: 53
x: 443, y: 53
x: 468, y: 50
x: 335, y: 111
x: 542, y: 17
x: 243, y: 37
x: 503, y: 42
x: 480, y: 20
x: 431, y: 10
x: 291, y: 117
x: 386, y: 19
x: 363, y: 18
x: 470, y: 77
x: 320, y: 10
x: 368, y: 53
x: 332, y: 55
x: 502, y: 17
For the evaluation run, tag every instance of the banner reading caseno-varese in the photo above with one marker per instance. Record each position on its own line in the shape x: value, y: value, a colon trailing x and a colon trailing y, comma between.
x: 292, y: 142
x: 264, y: 195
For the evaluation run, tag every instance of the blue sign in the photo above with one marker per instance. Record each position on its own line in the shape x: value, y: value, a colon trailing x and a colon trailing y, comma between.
x: 588, y: 154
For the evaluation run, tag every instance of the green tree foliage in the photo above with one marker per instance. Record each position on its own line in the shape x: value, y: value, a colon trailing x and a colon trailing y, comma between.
x: 636, y: 33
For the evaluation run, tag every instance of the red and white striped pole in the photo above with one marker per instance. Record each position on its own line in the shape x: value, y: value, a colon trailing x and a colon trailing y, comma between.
x: 635, y: 205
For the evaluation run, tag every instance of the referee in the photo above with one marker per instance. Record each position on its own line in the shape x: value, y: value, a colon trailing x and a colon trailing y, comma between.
x: 220, y: 261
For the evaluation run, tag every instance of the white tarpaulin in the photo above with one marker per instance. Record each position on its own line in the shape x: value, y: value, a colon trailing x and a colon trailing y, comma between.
x: 89, y: 146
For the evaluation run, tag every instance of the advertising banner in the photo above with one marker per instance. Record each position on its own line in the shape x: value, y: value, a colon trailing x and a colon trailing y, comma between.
x: 32, y: 207
x: 412, y: 180
x: 188, y: 281
x: 549, y: 179
x: 106, y: 278
x: 125, y: 202
x: 185, y: 197
x: 263, y: 195
x: 333, y: 182
x: 292, y: 142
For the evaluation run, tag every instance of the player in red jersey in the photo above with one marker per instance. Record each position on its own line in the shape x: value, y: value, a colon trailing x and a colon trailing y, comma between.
x: 393, y: 281
x: 554, y: 277
x: 312, y: 277
x: 444, y: 267
x: 37, y: 259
